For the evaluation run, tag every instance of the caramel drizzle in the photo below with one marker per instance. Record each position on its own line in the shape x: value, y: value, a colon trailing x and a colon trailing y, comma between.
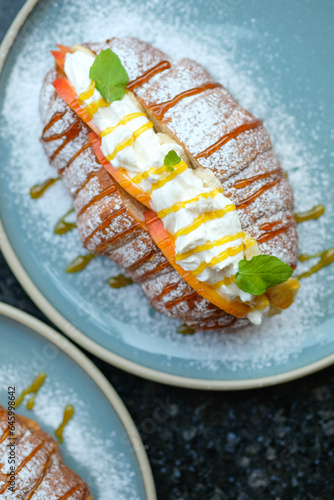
x: 55, y: 118
x: 246, y: 182
x: 70, y: 492
x: 161, y: 108
x: 33, y: 389
x: 269, y: 234
x: 74, y: 157
x: 23, y: 463
x: 147, y: 257
x: 4, y: 435
x: 227, y: 137
x: 166, y: 290
x: 247, y: 201
x: 89, y: 177
x: 106, y: 192
x: 39, y: 481
x: 69, y: 134
x: 105, y: 223
x: 267, y: 226
x: 157, y: 269
x: 68, y: 414
x: 184, y: 297
x: 115, y: 238
x: 138, y: 82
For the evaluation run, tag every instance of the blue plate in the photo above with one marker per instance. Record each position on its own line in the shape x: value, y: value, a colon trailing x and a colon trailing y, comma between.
x: 101, y: 443
x: 276, y: 59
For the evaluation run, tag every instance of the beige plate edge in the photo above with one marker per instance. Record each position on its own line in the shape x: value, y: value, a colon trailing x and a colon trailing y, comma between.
x: 92, y: 346
x: 104, y: 385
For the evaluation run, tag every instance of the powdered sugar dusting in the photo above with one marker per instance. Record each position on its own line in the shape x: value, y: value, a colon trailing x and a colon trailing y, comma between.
x: 96, y: 456
x: 216, y: 47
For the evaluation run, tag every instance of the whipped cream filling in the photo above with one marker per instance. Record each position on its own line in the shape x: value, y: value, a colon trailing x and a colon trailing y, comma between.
x: 209, y: 240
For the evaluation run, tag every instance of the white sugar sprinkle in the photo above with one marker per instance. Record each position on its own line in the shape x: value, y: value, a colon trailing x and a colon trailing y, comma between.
x: 216, y: 47
x: 106, y: 468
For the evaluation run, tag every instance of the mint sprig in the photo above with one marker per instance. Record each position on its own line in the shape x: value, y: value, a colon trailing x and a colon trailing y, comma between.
x: 261, y: 272
x: 109, y: 76
x: 171, y: 159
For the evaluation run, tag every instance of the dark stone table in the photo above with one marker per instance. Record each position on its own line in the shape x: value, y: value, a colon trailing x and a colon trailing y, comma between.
x: 271, y: 443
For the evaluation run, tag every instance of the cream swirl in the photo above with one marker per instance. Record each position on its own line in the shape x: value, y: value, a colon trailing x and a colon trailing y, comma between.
x: 209, y: 239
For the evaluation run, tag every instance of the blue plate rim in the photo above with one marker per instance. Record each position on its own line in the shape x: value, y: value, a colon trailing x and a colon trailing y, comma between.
x: 99, y: 379
x: 93, y: 347
x: 135, y: 368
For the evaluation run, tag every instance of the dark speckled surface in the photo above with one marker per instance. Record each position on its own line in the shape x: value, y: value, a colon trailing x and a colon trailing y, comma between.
x: 272, y: 443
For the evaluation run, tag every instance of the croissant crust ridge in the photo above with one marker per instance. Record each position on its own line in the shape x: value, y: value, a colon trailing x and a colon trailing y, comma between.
x: 40, y: 471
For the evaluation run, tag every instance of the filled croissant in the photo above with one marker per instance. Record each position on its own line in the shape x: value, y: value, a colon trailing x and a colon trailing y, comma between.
x: 174, y: 181
x: 39, y: 469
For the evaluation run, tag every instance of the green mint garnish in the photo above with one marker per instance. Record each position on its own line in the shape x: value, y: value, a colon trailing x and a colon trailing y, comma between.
x: 171, y: 159
x: 261, y: 272
x: 109, y: 76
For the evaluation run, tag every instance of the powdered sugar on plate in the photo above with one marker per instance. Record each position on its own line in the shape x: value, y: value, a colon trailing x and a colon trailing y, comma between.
x: 218, y: 48
x: 97, y: 457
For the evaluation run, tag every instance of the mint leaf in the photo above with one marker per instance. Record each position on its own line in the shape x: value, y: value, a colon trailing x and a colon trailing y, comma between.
x: 261, y: 272
x: 109, y: 76
x: 171, y: 159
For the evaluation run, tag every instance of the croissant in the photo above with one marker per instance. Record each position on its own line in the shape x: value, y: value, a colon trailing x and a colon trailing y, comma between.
x: 216, y: 134
x: 40, y: 471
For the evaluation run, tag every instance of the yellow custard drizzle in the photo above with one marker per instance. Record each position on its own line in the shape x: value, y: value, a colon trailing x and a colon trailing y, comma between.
x: 208, y: 245
x: 225, y: 282
x: 201, y: 219
x: 230, y: 252
x: 181, y: 204
x: 87, y: 93
x: 142, y: 129
x: 94, y: 106
x: 128, y: 142
x: 152, y: 171
x: 123, y: 121
x: 178, y: 169
x: 247, y: 242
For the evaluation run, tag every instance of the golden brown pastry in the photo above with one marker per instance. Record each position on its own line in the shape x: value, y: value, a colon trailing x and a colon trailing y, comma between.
x: 102, y: 233
x: 40, y: 471
x: 215, y: 132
